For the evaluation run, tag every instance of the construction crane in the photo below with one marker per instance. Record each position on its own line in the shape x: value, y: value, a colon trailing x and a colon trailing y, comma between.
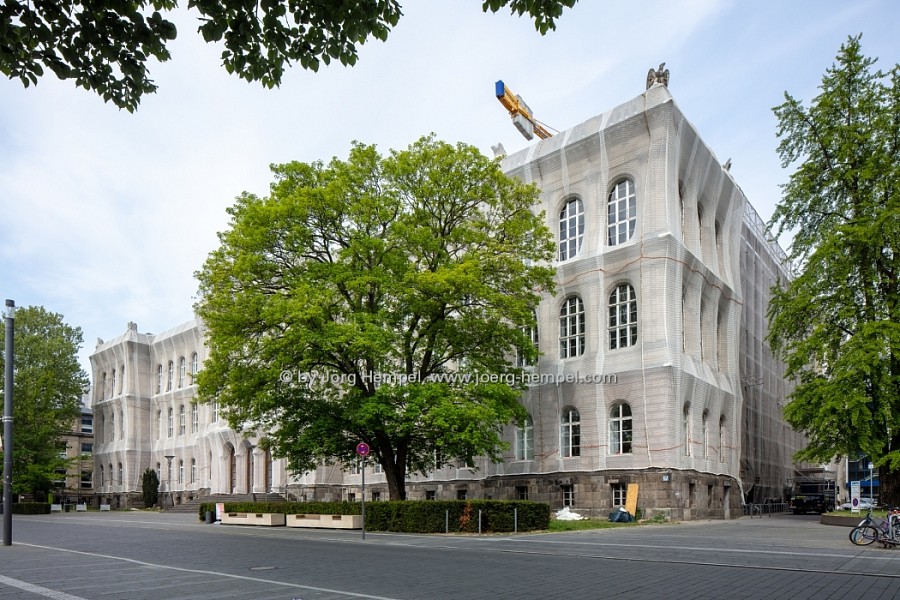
x: 521, y: 115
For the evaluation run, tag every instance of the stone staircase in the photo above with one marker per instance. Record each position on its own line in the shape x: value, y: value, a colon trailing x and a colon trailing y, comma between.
x: 193, y: 506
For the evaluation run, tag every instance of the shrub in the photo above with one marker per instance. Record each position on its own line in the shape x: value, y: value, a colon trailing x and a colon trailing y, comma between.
x: 31, y: 508
x: 150, y: 487
x: 416, y: 516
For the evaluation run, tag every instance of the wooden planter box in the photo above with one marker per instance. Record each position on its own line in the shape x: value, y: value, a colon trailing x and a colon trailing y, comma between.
x: 260, y: 519
x: 325, y: 521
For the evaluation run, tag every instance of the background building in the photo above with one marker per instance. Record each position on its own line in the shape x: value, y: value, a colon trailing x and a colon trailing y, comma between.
x: 654, y: 367
x: 77, y: 487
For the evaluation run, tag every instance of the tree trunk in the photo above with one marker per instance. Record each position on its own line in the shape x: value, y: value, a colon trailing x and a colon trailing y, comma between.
x: 396, y: 480
x: 889, y: 487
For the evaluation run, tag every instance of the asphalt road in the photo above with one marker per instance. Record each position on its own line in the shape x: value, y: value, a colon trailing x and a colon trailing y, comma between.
x: 99, y: 556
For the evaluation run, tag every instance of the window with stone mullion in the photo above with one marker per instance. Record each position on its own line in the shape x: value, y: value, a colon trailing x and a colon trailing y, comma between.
x: 571, y: 328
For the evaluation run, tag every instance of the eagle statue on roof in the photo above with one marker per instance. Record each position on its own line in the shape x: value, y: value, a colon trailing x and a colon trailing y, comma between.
x: 660, y: 75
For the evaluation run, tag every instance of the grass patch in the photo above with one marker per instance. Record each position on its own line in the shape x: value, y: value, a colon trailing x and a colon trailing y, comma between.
x: 878, y: 513
x: 584, y: 524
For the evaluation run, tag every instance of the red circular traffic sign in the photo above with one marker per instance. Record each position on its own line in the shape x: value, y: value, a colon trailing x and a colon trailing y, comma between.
x: 362, y: 449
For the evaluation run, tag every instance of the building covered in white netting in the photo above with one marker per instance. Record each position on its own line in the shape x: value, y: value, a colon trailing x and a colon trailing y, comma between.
x: 654, y: 368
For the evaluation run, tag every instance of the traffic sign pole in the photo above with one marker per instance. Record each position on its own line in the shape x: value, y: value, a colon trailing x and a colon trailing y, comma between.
x: 362, y: 459
x: 362, y: 449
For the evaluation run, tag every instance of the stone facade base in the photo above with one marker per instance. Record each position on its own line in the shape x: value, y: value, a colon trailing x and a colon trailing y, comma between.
x: 663, y: 494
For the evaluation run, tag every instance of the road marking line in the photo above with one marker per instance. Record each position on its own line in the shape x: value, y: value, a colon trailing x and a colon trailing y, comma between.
x: 36, y: 589
x: 203, y: 572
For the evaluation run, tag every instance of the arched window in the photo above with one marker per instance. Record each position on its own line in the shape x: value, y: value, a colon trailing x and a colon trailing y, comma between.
x: 722, y: 438
x: 182, y: 371
x: 112, y: 426
x: 700, y: 228
x: 159, y: 379
x: 621, y: 213
x: 720, y: 250
x: 121, y: 479
x: 181, y: 423
x: 181, y: 471
x: 570, y: 433
x: 525, y: 440
x: 521, y: 359
x: 571, y: 328
x: 686, y: 428
x: 171, y: 376
x: 103, y: 387
x: 704, y: 433
x: 571, y: 229
x: 112, y: 383
x: 159, y: 423
x: 195, y: 418
x: 193, y: 470
x: 701, y: 325
x: 722, y: 338
x: 195, y: 366
x: 620, y: 429
x: 171, y: 423
x: 623, y: 315
x: 101, y: 476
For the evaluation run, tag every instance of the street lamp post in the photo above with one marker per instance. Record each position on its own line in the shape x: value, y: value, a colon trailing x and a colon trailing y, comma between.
x: 169, y: 458
x: 8, y: 422
x: 871, y: 482
x: 250, y: 473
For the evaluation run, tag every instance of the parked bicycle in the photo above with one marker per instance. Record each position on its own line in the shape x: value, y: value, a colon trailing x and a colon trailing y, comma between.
x: 885, y: 532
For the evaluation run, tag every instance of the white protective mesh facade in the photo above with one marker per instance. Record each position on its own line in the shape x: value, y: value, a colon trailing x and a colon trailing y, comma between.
x: 703, y: 391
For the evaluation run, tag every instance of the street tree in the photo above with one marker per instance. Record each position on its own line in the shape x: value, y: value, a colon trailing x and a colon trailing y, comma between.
x: 150, y: 487
x: 48, y: 384
x: 377, y: 299
x: 105, y: 46
x: 837, y: 324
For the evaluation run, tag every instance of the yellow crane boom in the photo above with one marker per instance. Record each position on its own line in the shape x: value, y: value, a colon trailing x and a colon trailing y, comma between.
x: 521, y: 115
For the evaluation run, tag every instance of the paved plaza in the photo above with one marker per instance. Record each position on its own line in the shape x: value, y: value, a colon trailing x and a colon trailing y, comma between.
x: 137, y: 555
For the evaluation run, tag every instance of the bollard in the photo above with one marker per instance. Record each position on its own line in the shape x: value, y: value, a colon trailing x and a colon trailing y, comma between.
x: 515, y: 520
x: 479, y: 520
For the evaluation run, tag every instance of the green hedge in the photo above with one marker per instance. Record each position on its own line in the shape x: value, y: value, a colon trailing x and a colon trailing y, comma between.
x: 31, y: 508
x: 416, y: 516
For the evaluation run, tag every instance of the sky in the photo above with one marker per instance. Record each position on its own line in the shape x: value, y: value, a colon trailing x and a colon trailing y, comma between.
x: 106, y: 215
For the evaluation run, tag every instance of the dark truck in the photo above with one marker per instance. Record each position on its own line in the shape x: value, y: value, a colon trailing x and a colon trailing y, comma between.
x: 811, y: 503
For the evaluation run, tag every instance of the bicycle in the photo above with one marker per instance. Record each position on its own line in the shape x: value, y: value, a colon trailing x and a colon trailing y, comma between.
x: 887, y: 532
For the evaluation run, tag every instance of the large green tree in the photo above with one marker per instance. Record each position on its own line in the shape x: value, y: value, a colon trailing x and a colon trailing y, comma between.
x: 106, y: 45
x: 837, y: 324
x: 339, y: 306
x: 48, y: 384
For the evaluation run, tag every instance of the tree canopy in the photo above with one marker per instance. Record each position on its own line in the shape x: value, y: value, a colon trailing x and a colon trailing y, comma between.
x: 105, y: 46
x: 377, y: 300
x: 48, y: 385
x: 837, y: 324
